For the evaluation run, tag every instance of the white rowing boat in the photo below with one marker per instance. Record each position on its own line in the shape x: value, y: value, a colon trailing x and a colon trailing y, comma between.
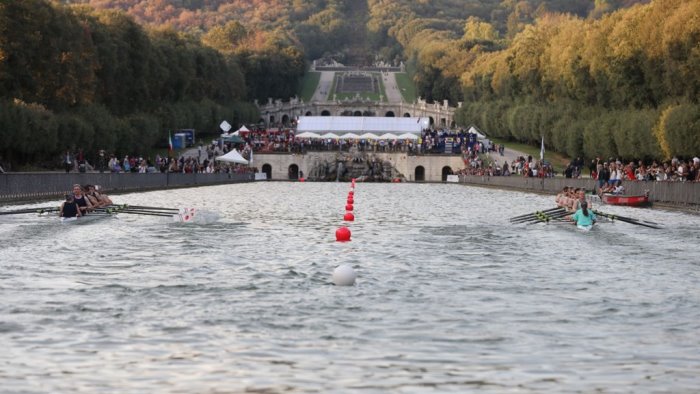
x: 89, y: 218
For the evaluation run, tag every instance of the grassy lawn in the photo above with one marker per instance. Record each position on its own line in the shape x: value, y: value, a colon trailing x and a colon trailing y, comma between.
x: 558, y: 160
x: 365, y: 95
x: 406, y: 86
x: 309, y: 84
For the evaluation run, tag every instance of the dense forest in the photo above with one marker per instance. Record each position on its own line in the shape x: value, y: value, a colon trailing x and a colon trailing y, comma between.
x: 604, y: 77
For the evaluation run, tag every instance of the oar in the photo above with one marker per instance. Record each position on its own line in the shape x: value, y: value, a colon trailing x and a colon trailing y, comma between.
x: 31, y: 210
x: 146, y: 213
x: 533, y: 213
x: 543, y: 218
x: 143, y: 207
x: 625, y: 219
x: 538, y: 215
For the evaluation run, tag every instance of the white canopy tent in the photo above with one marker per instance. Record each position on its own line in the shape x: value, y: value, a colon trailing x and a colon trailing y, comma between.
x: 232, y: 157
x: 474, y: 130
x: 307, y: 134
x: 349, y: 136
x: 388, y: 136
x: 408, y: 136
x: 330, y: 135
x: 369, y: 136
x: 243, y: 128
x: 361, y: 124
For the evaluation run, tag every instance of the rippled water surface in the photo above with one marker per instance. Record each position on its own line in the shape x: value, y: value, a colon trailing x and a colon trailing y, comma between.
x: 450, y: 297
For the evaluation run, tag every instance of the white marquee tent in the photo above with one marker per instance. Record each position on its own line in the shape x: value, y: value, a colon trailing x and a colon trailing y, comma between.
x: 360, y: 125
x: 232, y: 157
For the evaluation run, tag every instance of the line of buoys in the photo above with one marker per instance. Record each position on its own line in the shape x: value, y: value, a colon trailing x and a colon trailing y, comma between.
x: 344, y: 274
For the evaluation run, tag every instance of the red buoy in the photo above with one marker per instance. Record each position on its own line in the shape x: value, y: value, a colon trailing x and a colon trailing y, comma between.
x: 351, y: 200
x: 342, y: 234
x: 349, y: 217
x: 348, y: 207
x: 351, y: 193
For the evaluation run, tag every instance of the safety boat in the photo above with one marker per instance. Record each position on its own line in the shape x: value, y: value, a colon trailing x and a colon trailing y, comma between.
x: 630, y: 201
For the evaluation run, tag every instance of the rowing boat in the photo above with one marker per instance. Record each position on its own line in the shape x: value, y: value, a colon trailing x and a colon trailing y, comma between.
x: 630, y: 201
x: 89, y: 218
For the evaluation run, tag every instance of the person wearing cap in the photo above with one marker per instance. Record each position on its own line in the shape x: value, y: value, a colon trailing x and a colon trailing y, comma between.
x: 69, y: 208
x: 583, y: 217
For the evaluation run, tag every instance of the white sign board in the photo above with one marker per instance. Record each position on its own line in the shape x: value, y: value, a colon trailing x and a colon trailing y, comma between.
x: 225, y: 126
x: 260, y: 176
x: 453, y: 178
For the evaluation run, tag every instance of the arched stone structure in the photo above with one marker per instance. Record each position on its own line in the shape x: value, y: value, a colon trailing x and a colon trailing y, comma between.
x: 285, y: 119
x: 293, y: 171
x: 441, y: 115
x: 389, y: 114
x: 445, y: 172
x: 419, y: 174
x: 267, y: 169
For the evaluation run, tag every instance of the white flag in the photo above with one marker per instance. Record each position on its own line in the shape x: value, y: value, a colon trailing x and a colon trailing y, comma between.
x: 542, y: 150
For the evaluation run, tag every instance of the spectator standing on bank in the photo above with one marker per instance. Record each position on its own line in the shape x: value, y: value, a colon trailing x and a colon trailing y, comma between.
x: 67, y: 160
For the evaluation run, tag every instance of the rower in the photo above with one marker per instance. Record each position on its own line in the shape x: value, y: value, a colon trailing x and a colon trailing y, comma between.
x: 580, y: 199
x: 97, y: 199
x: 69, y: 208
x: 80, y: 199
x: 583, y: 217
x: 562, y: 198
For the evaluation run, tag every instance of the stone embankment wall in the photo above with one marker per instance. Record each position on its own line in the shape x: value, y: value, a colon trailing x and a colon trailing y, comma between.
x: 32, y: 186
x: 676, y: 194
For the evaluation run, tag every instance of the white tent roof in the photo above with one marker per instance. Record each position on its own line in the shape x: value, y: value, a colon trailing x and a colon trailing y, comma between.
x: 307, y: 134
x: 369, y: 136
x: 330, y: 135
x: 361, y: 124
x: 233, y: 157
x: 388, y: 136
x: 243, y: 128
x: 408, y: 136
x: 473, y: 130
x: 350, y: 136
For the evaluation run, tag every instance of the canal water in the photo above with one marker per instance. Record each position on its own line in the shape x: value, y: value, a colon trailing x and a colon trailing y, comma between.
x: 450, y: 296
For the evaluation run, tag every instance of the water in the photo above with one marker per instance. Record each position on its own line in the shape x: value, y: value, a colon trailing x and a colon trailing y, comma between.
x: 450, y: 296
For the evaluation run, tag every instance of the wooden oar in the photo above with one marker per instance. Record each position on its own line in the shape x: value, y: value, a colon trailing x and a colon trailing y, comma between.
x: 31, y: 210
x: 529, y: 215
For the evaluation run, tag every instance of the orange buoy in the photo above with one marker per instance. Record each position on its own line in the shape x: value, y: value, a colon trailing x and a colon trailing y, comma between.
x: 302, y: 180
x: 349, y: 217
x: 342, y: 234
x: 348, y: 207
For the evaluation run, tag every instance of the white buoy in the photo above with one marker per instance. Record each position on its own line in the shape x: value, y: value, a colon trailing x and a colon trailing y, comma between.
x: 344, y: 275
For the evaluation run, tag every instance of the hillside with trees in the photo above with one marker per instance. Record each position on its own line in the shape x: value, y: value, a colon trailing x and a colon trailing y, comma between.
x: 609, y: 77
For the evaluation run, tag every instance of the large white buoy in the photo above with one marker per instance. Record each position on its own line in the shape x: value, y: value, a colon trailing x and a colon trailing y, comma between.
x: 344, y: 275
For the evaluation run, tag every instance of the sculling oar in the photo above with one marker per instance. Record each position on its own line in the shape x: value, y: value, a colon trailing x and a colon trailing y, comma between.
x: 142, y: 207
x: 539, y: 216
x: 132, y: 212
x: 625, y: 219
x: 31, y: 210
x: 530, y: 215
x: 547, y: 218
